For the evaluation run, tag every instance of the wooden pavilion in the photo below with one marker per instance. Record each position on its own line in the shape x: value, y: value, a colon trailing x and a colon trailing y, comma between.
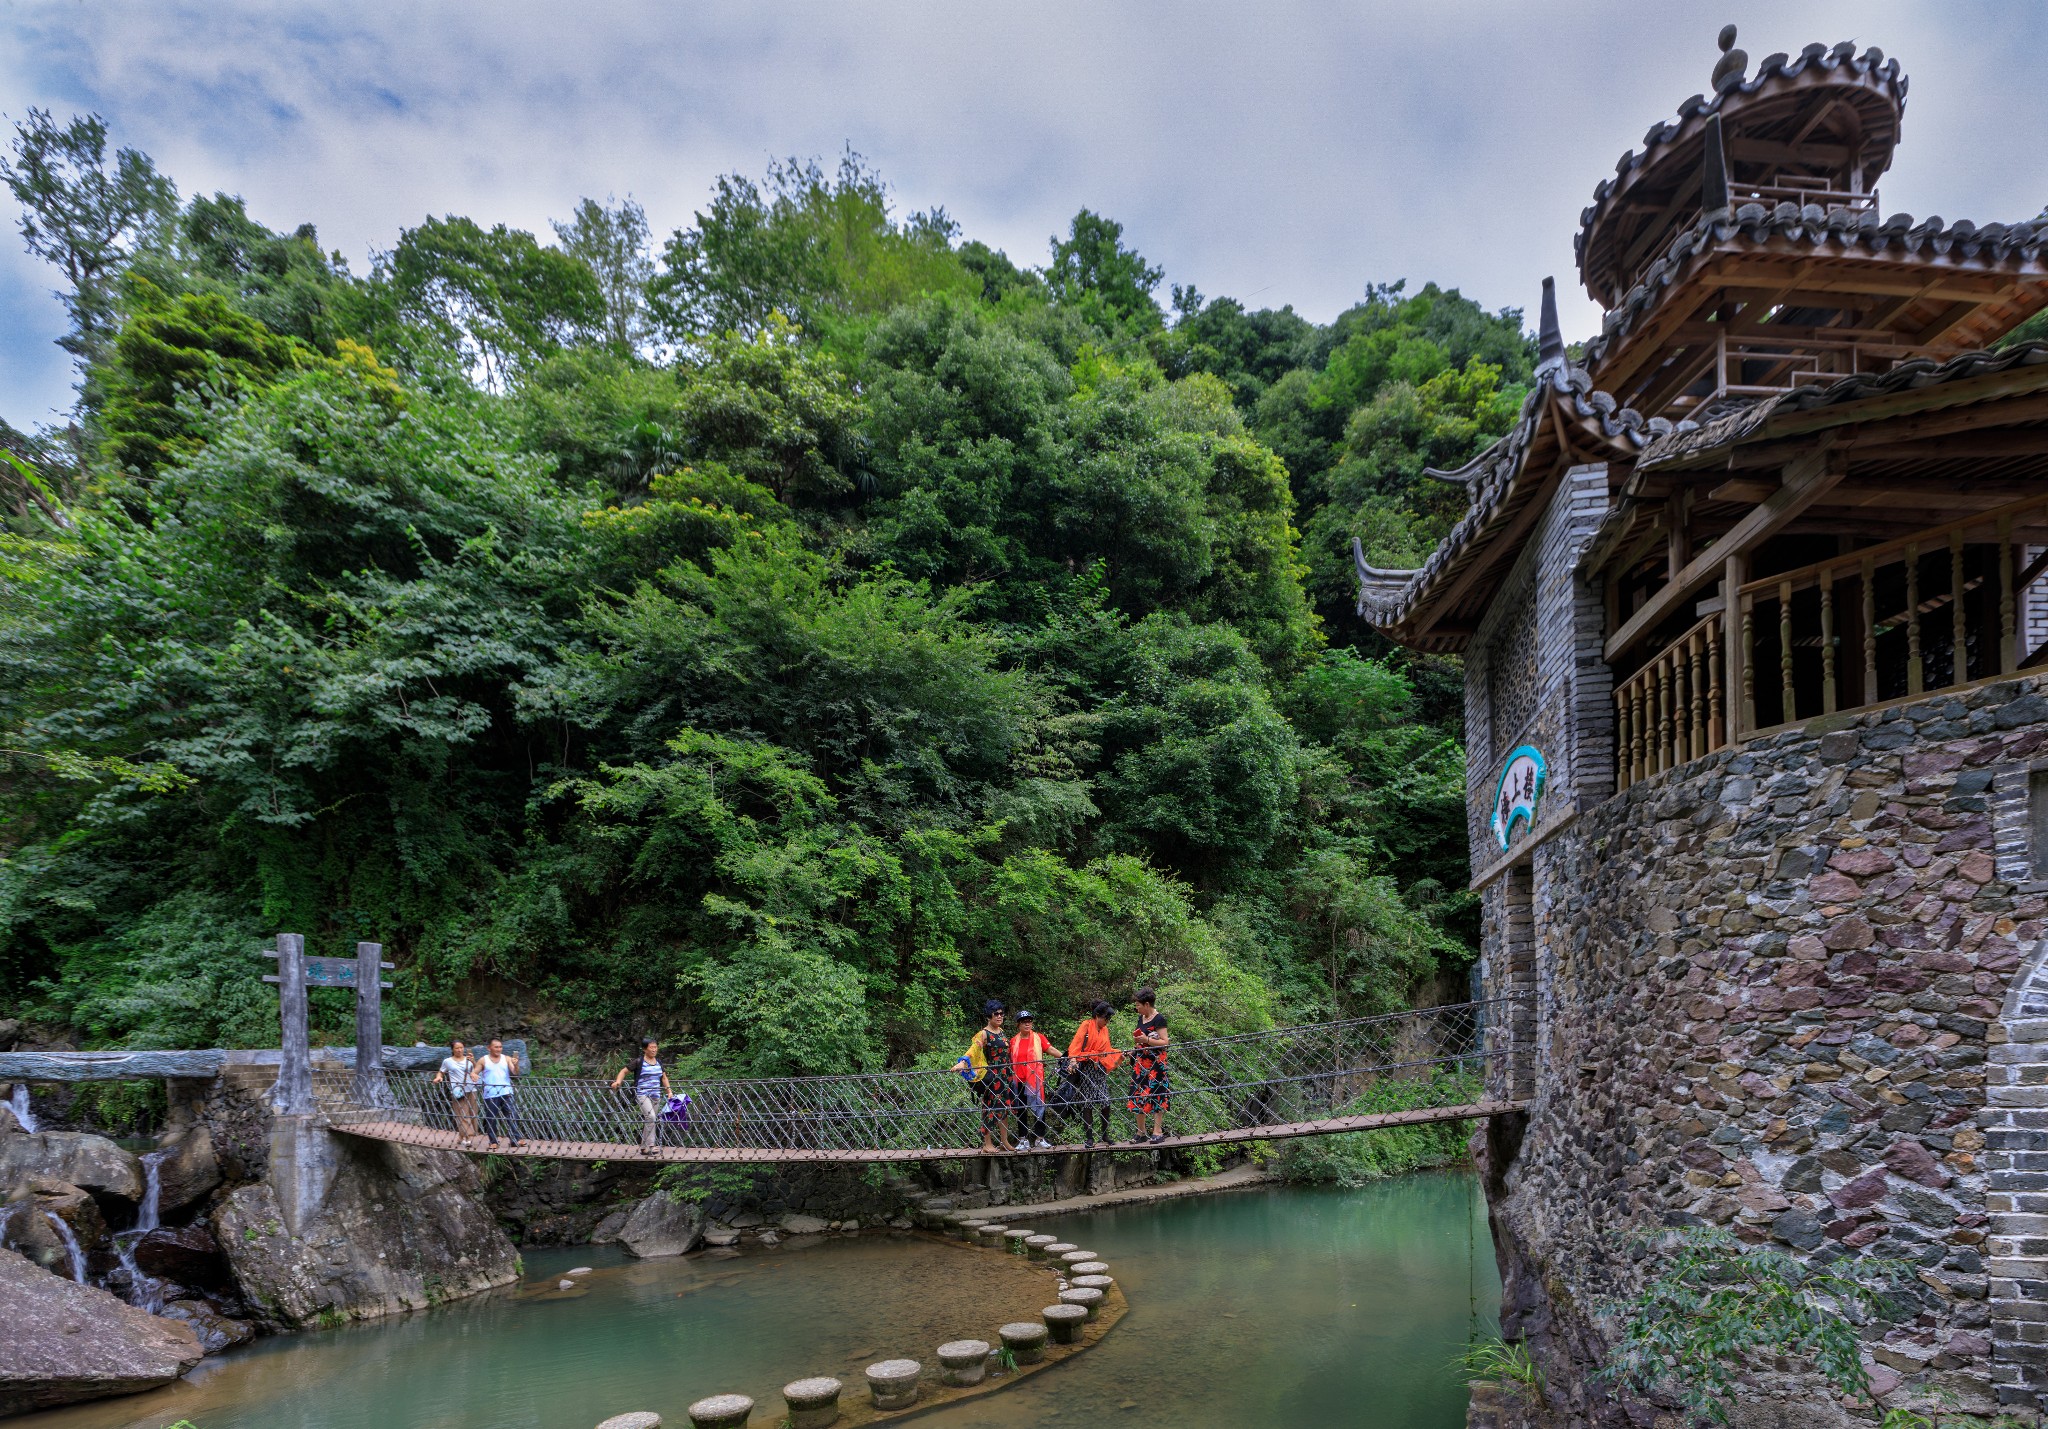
x: 1826, y: 489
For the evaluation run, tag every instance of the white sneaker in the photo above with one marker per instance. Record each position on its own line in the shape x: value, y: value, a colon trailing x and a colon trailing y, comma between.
x: 1044, y: 1145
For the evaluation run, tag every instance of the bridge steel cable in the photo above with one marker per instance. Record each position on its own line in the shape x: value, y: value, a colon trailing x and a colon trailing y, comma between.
x: 1431, y: 1064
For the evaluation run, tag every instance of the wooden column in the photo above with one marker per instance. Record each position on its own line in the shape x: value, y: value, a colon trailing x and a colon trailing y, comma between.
x: 369, y: 1088
x: 292, y: 1095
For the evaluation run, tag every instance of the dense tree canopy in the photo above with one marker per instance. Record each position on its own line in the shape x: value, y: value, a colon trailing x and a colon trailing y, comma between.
x: 912, y: 625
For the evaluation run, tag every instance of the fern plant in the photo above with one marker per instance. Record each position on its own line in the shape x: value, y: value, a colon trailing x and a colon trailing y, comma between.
x: 1719, y: 1306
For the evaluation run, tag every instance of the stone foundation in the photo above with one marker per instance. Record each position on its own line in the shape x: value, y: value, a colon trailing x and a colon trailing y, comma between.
x: 1794, y: 989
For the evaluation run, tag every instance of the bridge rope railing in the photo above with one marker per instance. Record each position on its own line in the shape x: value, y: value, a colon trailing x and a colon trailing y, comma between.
x: 1220, y: 1089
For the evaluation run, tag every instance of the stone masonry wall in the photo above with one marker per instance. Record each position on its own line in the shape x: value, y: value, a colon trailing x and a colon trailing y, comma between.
x: 1794, y: 989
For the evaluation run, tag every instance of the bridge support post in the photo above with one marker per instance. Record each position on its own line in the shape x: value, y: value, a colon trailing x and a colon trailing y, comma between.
x: 369, y: 1087
x: 293, y: 1093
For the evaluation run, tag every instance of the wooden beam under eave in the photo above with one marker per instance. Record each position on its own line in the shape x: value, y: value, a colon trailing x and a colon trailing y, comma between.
x: 1878, y: 420
x: 1806, y: 480
x: 1950, y: 287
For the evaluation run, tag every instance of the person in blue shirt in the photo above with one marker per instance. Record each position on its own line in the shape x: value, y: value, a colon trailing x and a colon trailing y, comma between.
x: 494, y: 1074
x: 650, y: 1089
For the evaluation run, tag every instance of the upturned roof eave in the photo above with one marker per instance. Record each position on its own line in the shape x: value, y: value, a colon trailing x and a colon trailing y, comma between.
x: 1564, y: 420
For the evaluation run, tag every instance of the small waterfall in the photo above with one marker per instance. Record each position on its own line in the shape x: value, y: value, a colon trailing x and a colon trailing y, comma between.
x: 152, y: 1189
x: 70, y: 1244
x: 18, y: 1100
x: 144, y: 1291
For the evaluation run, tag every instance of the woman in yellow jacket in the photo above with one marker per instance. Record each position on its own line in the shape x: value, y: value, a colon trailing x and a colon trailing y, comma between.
x: 986, y: 1065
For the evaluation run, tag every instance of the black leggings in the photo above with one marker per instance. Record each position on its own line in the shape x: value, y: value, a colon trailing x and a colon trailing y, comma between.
x: 1091, y: 1094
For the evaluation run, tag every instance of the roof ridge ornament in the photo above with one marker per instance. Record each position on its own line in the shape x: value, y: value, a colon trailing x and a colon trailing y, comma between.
x: 1372, y: 572
x: 1728, y: 71
x: 1713, y: 167
x: 1550, y: 354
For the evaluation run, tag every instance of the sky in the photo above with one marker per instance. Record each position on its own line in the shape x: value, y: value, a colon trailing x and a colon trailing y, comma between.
x: 1276, y: 152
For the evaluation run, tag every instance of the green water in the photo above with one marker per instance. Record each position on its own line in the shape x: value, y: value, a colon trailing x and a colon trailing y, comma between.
x: 1271, y: 1307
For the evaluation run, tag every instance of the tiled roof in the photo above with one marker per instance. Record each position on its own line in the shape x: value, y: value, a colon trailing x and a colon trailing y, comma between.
x: 1491, y: 479
x: 1918, y: 373
x: 2027, y: 242
x: 1842, y: 59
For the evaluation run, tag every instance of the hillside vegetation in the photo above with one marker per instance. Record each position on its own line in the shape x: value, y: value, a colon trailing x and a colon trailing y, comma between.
x: 780, y: 635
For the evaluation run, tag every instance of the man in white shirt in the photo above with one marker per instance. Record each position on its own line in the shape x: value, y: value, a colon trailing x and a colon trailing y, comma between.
x: 495, y: 1073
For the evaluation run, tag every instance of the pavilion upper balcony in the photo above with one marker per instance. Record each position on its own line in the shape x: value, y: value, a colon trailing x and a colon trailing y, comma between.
x: 1869, y: 543
x: 1744, y: 253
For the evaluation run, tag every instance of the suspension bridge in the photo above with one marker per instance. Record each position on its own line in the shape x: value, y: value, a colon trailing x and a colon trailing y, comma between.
x: 1429, y: 1065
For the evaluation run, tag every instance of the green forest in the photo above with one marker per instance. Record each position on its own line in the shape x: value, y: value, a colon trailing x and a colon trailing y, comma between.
x: 777, y: 636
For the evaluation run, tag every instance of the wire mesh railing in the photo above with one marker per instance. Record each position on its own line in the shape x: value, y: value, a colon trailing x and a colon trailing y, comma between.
x: 1289, y: 1081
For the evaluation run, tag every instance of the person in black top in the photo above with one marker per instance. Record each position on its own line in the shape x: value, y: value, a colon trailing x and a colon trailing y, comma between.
x: 1149, y: 1089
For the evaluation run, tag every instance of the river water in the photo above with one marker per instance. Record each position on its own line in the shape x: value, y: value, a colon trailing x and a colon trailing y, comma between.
x: 1254, y: 1308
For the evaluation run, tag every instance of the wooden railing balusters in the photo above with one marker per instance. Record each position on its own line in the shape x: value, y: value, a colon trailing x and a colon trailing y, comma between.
x: 1959, y: 628
x: 2008, y: 655
x: 1916, y: 680
x: 1827, y: 642
x: 1787, y: 713
x: 1664, y: 749
x: 1869, y: 631
x: 1717, y: 711
x: 1748, y: 663
x: 1696, y: 648
x: 1639, y: 757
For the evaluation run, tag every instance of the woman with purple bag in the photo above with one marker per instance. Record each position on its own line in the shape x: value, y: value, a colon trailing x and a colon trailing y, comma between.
x: 650, y: 1090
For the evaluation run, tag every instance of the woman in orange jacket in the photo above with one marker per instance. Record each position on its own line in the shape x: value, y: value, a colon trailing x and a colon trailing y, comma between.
x: 1091, y: 1057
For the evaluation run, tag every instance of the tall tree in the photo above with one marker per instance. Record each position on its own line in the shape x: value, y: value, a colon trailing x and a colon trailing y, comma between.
x: 613, y: 241
x: 496, y: 294
x: 83, y: 214
x: 1111, y: 285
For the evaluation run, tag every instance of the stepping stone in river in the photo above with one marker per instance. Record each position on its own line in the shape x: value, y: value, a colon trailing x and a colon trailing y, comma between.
x: 1065, y: 1321
x: 893, y: 1383
x: 1088, y: 1297
x: 1025, y: 1339
x: 640, y: 1420
x: 813, y: 1403
x: 722, y: 1411
x: 964, y: 1362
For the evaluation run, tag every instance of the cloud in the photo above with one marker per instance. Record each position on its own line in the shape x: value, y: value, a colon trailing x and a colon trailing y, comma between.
x: 1289, y: 152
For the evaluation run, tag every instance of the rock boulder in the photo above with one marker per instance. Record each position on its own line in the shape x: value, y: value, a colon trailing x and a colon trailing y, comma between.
x: 360, y: 1229
x: 187, y: 1254
x: 69, y: 1342
x: 190, y: 1171
x: 76, y: 1158
x: 661, y: 1226
x: 29, y: 1224
x: 215, y: 1331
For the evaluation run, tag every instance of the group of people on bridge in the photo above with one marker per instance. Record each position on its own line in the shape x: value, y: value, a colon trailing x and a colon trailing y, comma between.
x: 1007, y: 1075
x: 1016, y: 1079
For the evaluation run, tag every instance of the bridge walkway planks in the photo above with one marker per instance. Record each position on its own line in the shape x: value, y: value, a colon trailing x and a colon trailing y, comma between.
x: 409, y: 1134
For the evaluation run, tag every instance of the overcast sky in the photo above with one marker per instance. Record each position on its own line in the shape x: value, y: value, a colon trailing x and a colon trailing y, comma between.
x: 1275, y: 152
